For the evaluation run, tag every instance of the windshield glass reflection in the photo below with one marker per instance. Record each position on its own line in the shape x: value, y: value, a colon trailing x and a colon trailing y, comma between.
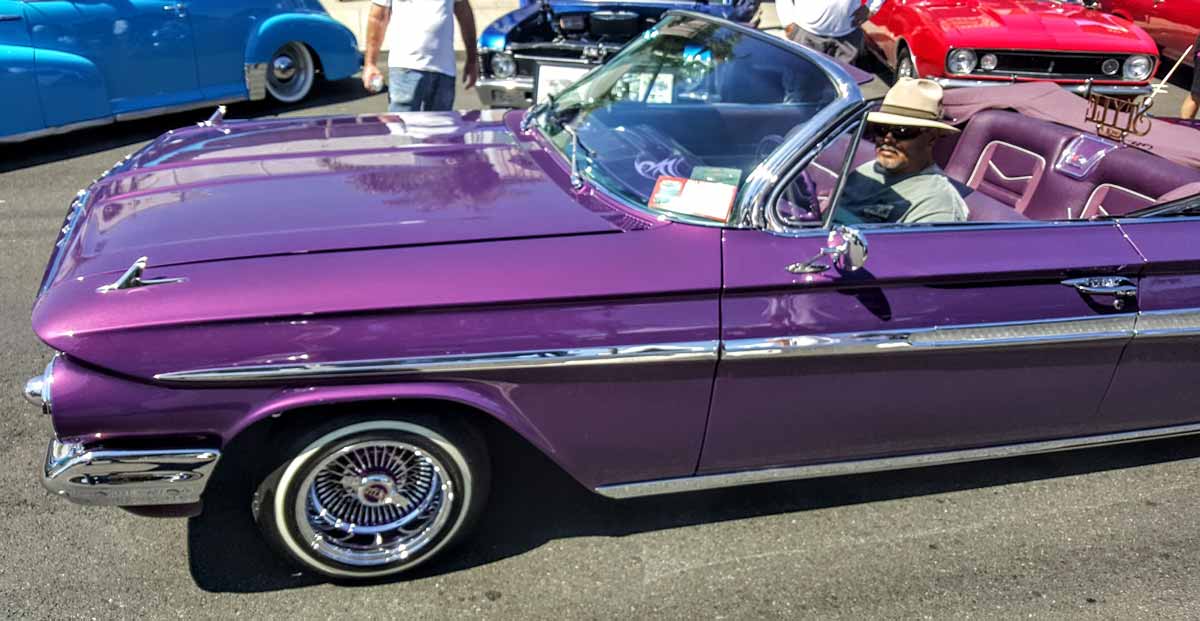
x: 689, y: 99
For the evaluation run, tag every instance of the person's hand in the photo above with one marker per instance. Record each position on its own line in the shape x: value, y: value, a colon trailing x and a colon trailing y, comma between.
x: 470, y: 72
x: 370, y: 74
x: 861, y: 14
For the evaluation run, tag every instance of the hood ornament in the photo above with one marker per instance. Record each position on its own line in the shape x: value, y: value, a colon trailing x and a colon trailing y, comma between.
x: 132, y: 279
x: 217, y: 119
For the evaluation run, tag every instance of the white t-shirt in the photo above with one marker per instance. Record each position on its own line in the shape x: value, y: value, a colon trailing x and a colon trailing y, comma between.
x: 824, y: 18
x: 420, y: 35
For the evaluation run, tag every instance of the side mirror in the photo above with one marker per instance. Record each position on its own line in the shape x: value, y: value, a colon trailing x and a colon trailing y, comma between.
x: 846, y: 248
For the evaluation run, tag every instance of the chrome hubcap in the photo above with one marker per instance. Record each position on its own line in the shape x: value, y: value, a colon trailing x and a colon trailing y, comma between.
x: 290, y: 73
x: 373, y: 503
x: 284, y: 68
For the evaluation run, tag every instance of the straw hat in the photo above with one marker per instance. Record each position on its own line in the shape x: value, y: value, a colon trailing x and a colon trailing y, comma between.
x: 913, y: 102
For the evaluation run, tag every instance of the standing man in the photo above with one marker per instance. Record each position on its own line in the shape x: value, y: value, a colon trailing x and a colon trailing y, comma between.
x: 1192, y: 103
x: 831, y: 27
x: 421, y: 63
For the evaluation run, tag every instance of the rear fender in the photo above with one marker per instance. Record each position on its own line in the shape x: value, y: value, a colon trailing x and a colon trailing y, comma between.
x: 71, y: 88
x: 22, y: 111
x: 333, y: 44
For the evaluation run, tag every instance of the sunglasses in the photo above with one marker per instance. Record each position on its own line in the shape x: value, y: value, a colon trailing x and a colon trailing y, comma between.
x: 899, y: 132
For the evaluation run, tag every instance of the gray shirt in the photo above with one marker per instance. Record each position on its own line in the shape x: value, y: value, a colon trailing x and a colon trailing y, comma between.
x: 873, y: 196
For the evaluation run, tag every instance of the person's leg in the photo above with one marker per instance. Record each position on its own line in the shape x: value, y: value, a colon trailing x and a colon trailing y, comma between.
x: 848, y: 47
x: 404, y: 87
x: 441, y: 97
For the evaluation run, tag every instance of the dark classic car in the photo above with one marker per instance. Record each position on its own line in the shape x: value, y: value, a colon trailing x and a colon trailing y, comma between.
x: 579, y: 33
x: 645, y: 280
x: 985, y: 42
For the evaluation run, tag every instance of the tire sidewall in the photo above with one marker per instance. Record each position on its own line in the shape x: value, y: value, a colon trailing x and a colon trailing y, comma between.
x: 279, y: 505
x: 310, y: 72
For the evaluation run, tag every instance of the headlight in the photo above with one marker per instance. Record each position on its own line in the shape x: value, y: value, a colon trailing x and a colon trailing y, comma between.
x: 503, y: 65
x: 988, y: 62
x: 37, y: 389
x: 1138, y: 67
x: 961, y: 61
x: 1111, y: 66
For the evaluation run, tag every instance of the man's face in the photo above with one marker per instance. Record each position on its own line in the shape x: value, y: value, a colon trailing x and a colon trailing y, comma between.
x: 902, y: 149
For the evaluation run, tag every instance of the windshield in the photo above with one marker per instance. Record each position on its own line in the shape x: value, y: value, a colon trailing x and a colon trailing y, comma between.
x: 689, y: 99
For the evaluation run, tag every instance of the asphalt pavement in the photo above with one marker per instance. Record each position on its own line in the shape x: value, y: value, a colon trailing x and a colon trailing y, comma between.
x: 1108, y: 533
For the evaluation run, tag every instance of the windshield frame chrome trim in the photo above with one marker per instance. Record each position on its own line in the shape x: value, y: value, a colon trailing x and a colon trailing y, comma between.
x: 749, y: 207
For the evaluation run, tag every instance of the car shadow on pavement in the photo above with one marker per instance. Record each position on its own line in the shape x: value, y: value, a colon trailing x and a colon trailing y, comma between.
x: 534, y: 502
x: 115, y: 135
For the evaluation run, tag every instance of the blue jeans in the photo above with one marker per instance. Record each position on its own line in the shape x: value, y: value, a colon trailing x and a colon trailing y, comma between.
x: 410, y: 90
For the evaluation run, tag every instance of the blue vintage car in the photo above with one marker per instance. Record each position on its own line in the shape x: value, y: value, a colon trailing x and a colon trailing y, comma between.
x: 66, y: 64
x: 561, y: 33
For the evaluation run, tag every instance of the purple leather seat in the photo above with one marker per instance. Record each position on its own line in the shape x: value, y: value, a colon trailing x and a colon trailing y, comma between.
x: 1001, y: 155
x: 1013, y: 159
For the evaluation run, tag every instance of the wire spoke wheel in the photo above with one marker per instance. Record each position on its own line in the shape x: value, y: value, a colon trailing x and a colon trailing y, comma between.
x: 290, y: 73
x: 373, y: 502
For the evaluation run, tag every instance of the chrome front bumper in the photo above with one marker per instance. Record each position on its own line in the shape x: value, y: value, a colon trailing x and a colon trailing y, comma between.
x: 506, y: 93
x: 1078, y: 89
x: 127, y: 478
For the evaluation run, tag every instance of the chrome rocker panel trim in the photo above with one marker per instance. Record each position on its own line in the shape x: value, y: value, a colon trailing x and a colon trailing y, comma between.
x: 772, y: 475
x: 1172, y: 323
x: 1026, y: 333
x: 625, y: 354
x: 124, y: 116
x: 127, y: 478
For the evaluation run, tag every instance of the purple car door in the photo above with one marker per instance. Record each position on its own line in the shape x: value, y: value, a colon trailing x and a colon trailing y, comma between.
x: 946, y: 338
x: 1155, y: 385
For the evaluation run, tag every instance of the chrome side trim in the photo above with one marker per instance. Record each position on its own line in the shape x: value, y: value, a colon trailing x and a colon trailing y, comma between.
x: 256, y: 80
x: 114, y: 477
x: 183, y: 107
x: 52, y: 131
x: 1172, y: 323
x: 772, y: 475
x: 992, y: 335
x: 459, y: 363
x: 124, y: 116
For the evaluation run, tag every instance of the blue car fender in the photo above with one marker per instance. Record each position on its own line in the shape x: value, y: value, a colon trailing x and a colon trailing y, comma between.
x: 71, y: 87
x: 334, y: 46
x: 495, y: 36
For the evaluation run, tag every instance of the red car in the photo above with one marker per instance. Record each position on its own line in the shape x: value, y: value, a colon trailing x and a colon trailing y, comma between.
x: 1173, y: 23
x: 982, y: 42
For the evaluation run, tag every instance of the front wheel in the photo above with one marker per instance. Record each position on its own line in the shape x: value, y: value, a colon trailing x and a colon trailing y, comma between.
x: 375, y: 497
x: 291, y: 72
x: 905, y: 67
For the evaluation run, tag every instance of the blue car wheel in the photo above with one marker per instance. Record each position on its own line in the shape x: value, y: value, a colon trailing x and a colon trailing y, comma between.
x: 291, y: 72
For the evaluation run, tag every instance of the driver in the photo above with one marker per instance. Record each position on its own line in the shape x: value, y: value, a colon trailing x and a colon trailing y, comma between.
x: 903, y: 185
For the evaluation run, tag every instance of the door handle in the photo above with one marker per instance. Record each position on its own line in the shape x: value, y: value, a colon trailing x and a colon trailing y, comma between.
x: 8, y: 17
x: 178, y: 7
x: 1122, y: 289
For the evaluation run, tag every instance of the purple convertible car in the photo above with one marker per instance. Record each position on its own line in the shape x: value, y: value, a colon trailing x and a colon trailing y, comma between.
x: 642, y: 278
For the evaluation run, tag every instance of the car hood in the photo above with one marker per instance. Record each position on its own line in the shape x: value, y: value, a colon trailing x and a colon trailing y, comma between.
x: 1030, y: 24
x: 281, y: 187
